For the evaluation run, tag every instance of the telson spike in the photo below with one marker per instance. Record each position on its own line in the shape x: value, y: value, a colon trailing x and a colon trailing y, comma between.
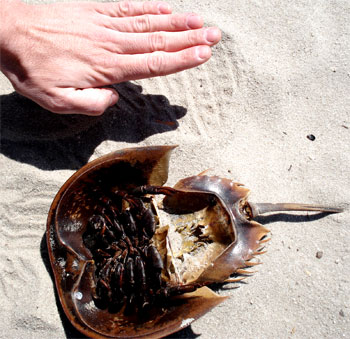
x: 262, y: 208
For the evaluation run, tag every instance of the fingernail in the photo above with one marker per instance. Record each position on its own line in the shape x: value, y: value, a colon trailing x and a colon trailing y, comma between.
x: 114, y: 99
x: 194, y: 21
x: 164, y: 8
x: 212, y: 35
x: 203, y: 52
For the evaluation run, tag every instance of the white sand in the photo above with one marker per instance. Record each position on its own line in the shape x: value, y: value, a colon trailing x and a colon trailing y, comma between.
x: 281, y: 73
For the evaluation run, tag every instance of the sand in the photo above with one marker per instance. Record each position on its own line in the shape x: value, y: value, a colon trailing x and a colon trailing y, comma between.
x: 281, y: 73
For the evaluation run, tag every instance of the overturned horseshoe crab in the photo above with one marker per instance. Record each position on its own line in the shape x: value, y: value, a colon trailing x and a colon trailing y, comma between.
x: 134, y: 258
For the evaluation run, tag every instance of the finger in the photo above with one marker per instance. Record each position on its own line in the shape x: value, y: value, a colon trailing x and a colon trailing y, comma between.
x: 137, y: 43
x: 90, y: 101
x: 139, y: 66
x: 154, y: 23
x: 133, y: 8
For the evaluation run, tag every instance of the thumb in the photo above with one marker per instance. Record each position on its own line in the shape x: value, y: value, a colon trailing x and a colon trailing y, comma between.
x: 89, y: 101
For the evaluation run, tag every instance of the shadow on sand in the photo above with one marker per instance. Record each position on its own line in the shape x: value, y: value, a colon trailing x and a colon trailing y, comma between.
x: 32, y: 135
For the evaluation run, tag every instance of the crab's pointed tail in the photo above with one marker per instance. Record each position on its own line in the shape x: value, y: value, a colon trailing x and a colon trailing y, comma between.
x: 262, y: 208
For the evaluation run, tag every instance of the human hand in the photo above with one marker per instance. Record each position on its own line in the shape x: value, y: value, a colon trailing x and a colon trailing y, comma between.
x: 62, y: 55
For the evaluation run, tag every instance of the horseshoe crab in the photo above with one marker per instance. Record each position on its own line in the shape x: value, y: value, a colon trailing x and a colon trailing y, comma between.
x: 134, y: 258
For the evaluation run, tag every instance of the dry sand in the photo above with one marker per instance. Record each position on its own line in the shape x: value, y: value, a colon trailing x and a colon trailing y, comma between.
x: 281, y: 72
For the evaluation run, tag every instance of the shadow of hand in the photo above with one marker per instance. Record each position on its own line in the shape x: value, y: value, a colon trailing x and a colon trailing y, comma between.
x: 50, y: 141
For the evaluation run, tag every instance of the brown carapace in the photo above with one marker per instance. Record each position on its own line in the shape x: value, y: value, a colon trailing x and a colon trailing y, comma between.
x: 134, y: 258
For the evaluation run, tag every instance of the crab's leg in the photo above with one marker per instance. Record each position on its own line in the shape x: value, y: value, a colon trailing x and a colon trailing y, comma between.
x: 149, y: 189
x: 261, y: 208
